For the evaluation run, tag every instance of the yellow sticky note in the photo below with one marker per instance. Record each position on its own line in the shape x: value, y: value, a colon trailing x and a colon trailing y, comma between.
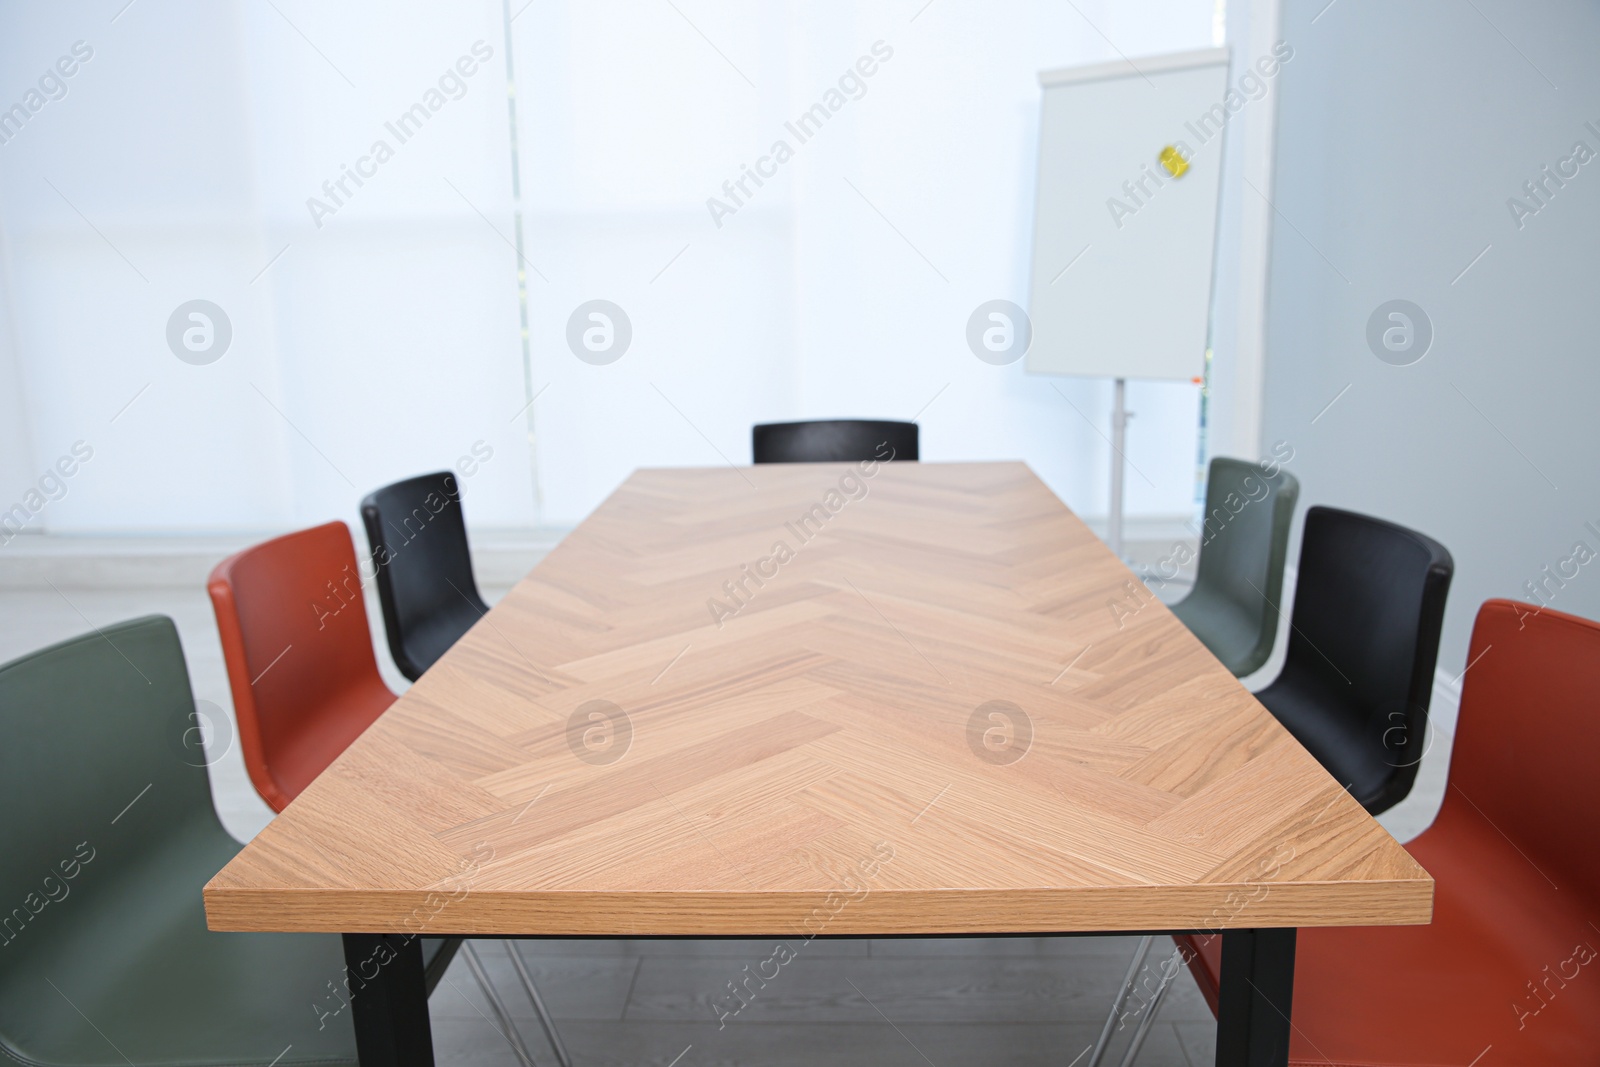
x: 1173, y: 160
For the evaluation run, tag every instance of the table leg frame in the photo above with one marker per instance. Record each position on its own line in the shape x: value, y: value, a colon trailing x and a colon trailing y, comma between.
x: 389, y: 1000
x: 1255, y: 998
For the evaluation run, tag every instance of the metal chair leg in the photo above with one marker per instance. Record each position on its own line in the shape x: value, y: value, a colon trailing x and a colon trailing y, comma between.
x: 1143, y: 1029
x: 1117, y: 1005
x: 509, y: 1029
x: 532, y: 990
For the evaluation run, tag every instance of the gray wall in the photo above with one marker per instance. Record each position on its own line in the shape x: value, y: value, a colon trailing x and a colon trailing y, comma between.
x: 1403, y: 129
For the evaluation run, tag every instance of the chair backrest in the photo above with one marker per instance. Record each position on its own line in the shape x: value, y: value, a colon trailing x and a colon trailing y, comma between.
x: 833, y: 441
x: 1368, y: 609
x: 295, y: 637
x: 100, y: 767
x: 1526, y: 740
x: 1244, y: 544
x: 419, y: 547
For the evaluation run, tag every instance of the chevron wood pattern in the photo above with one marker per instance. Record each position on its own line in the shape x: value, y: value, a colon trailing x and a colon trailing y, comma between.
x: 843, y: 699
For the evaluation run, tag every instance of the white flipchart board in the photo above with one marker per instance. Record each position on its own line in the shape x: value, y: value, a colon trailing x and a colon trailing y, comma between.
x: 1121, y: 282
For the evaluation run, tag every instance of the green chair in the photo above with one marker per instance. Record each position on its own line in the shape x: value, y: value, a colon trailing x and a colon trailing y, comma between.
x: 1233, y: 610
x: 108, y: 837
x: 1244, y: 542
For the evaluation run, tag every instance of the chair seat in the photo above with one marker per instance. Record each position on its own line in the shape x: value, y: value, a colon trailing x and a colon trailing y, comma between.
x: 428, y: 637
x: 1427, y: 996
x: 1229, y: 631
x: 147, y: 980
x: 1351, y: 751
x: 136, y: 974
x: 343, y: 717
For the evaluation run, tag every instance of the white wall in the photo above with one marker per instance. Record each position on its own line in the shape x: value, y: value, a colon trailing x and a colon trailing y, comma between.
x: 191, y: 141
x: 1403, y: 131
x: 945, y: 148
x: 386, y: 340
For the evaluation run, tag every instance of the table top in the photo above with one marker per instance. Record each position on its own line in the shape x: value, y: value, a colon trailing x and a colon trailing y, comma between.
x: 891, y: 698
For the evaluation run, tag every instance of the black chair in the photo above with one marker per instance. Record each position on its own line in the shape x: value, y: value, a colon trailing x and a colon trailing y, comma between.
x: 424, y: 571
x: 833, y: 441
x: 429, y: 599
x: 1358, y: 676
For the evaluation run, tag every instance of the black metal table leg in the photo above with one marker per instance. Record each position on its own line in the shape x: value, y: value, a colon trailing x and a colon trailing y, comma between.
x: 389, y: 1000
x: 1255, y: 999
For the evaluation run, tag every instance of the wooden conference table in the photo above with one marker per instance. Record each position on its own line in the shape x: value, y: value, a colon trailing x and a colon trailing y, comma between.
x: 823, y: 700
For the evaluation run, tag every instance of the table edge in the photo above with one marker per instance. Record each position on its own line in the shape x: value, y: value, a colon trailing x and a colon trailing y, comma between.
x: 1377, y: 902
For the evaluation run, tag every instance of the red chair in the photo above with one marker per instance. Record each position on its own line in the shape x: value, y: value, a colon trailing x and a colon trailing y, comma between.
x: 305, y: 685
x: 299, y: 653
x: 1509, y: 970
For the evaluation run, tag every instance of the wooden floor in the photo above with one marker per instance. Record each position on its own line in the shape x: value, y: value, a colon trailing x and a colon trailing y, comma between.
x: 951, y: 1003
